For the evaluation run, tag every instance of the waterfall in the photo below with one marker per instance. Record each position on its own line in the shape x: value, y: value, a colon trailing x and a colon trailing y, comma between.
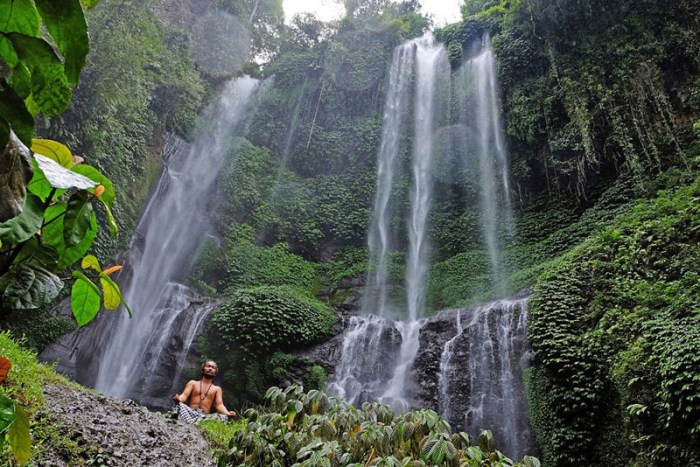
x: 448, y: 371
x: 467, y: 363
x: 476, y: 81
x: 140, y: 358
x: 486, y: 357
x: 172, y: 225
x: 416, y: 69
x: 379, y: 239
x: 429, y: 57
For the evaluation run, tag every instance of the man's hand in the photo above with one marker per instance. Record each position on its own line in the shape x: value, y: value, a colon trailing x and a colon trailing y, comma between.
x: 176, y: 397
x: 231, y: 413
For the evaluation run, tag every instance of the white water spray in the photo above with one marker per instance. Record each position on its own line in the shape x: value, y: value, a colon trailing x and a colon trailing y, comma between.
x: 170, y: 228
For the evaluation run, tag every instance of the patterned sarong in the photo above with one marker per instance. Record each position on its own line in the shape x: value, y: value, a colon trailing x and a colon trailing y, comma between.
x: 189, y: 415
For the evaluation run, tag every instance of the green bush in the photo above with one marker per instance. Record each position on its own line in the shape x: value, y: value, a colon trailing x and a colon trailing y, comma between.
x: 615, y: 326
x: 262, y: 319
x: 311, y: 429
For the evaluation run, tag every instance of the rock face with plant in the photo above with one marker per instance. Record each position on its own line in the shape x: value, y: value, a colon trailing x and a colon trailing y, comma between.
x: 616, y: 327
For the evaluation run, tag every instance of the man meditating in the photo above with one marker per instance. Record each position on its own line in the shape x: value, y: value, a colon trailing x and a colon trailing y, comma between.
x: 201, y: 395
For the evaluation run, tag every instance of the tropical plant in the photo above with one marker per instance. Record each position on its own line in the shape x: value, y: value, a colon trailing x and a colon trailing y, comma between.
x: 47, y: 218
x: 297, y: 428
x: 55, y: 229
x: 14, y: 421
x: 34, y: 78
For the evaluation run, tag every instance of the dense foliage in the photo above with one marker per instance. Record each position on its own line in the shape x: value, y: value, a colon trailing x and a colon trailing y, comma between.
x: 249, y: 333
x: 616, y: 327
x: 310, y: 429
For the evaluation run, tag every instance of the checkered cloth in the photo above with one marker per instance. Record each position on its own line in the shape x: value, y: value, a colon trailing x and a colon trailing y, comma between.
x: 189, y: 415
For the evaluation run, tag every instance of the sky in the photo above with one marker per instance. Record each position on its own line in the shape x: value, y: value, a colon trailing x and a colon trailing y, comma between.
x: 444, y: 11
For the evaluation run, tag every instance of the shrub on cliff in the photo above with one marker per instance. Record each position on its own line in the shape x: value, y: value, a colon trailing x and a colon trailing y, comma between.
x: 263, y: 319
x: 616, y: 328
x: 249, y: 333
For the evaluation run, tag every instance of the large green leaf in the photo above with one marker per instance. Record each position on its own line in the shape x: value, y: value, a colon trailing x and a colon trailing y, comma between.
x: 50, y: 87
x: 60, y: 177
x: 19, y: 16
x: 20, y: 438
x: 21, y: 82
x: 7, y: 52
x: 38, y: 253
x: 53, y: 150
x: 66, y: 23
x: 76, y: 222
x: 110, y: 292
x: 26, y: 224
x: 107, y: 196
x: 30, y: 287
x: 52, y: 233
x: 74, y: 253
x: 40, y: 186
x: 84, y: 299
x: 96, y: 176
x: 89, y: 3
x: 13, y: 110
x: 7, y: 413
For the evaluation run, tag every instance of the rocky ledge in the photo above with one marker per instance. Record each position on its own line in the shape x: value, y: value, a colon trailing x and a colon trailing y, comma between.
x: 122, y: 433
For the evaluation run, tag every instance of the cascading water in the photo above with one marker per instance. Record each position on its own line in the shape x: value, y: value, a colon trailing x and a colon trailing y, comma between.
x: 173, y: 223
x: 493, y: 338
x: 480, y: 378
x: 478, y: 383
x: 139, y: 358
x: 476, y: 79
x: 416, y: 66
x: 375, y: 300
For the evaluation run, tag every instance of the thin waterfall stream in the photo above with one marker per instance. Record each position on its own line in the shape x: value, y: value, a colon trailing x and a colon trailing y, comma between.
x: 415, y: 71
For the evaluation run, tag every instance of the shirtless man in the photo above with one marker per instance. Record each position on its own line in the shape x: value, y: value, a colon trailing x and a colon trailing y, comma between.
x: 203, y: 394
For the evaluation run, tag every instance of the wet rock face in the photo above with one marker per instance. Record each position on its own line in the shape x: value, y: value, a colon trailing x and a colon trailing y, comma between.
x: 78, y: 354
x: 124, y: 433
x: 327, y: 353
x: 426, y: 369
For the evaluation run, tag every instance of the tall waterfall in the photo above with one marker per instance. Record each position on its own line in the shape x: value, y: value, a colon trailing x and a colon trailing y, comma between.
x: 476, y: 83
x: 173, y: 222
x: 466, y: 363
x: 375, y: 300
x: 417, y: 67
x: 140, y: 357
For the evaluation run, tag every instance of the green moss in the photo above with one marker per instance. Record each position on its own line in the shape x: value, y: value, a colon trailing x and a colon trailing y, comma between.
x: 24, y: 385
x: 615, y: 328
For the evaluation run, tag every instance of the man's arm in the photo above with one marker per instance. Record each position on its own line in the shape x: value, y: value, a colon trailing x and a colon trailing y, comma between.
x: 219, y: 404
x: 186, y: 393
